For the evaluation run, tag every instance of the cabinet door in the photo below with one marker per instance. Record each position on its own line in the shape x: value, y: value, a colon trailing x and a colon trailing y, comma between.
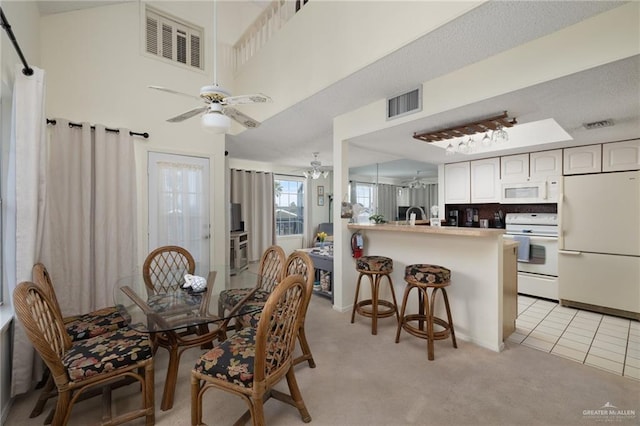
x: 621, y: 156
x: 545, y: 165
x: 514, y: 168
x: 583, y: 159
x: 456, y: 183
x: 485, y: 181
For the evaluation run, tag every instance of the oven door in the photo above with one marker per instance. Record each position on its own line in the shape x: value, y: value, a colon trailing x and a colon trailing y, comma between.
x: 543, y: 256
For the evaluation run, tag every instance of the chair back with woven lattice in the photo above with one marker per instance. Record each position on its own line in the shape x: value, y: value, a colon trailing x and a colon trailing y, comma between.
x: 42, y: 278
x: 44, y: 327
x: 278, y: 328
x: 271, y: 269
x: 300, y: 263
x: 165, y: 267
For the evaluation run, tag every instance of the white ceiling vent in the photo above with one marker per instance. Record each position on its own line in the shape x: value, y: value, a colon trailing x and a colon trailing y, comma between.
x: 598, y: 124
x: 404, y: 104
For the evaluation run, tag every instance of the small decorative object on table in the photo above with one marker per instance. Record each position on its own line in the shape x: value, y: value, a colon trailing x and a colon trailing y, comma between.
x: 194, y: 283
x: 321, y: 237
x: 377, y: 218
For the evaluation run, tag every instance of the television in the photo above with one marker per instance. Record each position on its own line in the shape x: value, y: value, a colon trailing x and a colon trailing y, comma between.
x: 236, y: 218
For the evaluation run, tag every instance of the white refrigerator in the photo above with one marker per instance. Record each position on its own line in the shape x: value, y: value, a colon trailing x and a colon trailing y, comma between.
x: 599, y: 243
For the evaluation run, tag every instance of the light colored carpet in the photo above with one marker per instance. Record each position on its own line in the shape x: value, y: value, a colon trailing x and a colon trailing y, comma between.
x: 362, y: 379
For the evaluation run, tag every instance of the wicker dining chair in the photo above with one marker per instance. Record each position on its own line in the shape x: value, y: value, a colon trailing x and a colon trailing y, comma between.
x: 270, y: 273
x: 79, y: 327
x: 85, y: 367
x: 165, y: 267
x: 253, y: 360
x: 298, y: 263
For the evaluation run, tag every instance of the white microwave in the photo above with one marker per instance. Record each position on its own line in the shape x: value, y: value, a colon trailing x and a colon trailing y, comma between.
x: 530, y: 192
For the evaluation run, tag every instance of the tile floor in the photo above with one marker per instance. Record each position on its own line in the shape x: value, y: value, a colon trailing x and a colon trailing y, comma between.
x: 602, y: 341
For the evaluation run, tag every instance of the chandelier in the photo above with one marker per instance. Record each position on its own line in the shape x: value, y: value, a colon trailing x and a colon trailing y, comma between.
x: 316, y: 169
x: 492, y: 127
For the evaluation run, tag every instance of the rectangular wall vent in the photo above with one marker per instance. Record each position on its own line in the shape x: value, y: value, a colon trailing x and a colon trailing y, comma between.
x: 406, y: 103
x: 172, y: 39
x: 598, y: 124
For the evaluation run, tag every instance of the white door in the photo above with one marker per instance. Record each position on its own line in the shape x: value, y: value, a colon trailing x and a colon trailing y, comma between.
x: 179, y: 205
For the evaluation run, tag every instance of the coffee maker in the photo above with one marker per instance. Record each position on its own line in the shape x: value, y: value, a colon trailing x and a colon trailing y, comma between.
x: 471, y: 218
x: 453, y: 218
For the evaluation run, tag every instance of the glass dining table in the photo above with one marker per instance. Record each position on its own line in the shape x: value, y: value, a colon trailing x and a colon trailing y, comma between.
x: 181, y: 318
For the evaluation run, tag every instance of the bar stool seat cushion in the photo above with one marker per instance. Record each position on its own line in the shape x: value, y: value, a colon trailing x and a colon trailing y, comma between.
x: 427, y: 274
x: 377, y: 264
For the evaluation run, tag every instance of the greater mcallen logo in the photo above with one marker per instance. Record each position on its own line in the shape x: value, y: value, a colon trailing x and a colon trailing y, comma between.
x: 609, y: 413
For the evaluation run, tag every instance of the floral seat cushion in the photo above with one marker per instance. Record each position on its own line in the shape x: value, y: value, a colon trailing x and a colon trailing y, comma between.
x: 232, y: 360
x: 233, y: 296
x: 105, y: 353
x: 86, y: 326
x: 427, y: 274
x: 379, y: 264
x: 250, y: 312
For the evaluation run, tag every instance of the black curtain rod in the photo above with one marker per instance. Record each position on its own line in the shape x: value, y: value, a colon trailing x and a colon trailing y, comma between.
x: 144, y: 135
x: 27, y: 70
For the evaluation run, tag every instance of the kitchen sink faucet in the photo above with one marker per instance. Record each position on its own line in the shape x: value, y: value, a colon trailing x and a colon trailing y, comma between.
x: 424, y: 216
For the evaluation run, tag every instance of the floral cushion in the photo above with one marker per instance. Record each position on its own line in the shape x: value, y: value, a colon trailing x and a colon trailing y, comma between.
x: 81, y: 327
x: 427, y: 274
x: 380, y: 264
x: 250, y: 313
x: 231, y: 361
x: 105, y: 353
x: 233, y: 296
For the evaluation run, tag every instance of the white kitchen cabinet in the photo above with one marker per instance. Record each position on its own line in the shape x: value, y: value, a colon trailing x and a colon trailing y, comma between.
x: 485, y: 180
x: 621, y: 156
x: 545, y: 165
x: 514, y: 168
x: 582, y: 159
x: 457, y: 188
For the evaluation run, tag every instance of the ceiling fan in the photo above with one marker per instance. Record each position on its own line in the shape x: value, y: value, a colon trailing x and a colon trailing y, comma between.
x: 416, y: 182
x: 217, y: 110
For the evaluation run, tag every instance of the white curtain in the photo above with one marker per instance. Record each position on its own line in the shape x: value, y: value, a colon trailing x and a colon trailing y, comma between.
x: 25, y: 205
x: 254, y: 191
x: 387, y: 201
x: 424, y: 197
x: 90, y: 230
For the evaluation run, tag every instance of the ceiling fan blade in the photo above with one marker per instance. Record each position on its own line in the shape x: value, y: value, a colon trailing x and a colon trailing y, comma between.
x: 164, y: 89
x: 188, y: 114
x: 257, y: 98
x: 241, y: 118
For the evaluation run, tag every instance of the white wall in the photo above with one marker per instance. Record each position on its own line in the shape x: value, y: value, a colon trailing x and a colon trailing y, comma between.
x: 98, y: 72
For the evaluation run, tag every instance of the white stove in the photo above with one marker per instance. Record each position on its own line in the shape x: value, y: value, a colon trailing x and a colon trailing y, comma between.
x: 537, y: 235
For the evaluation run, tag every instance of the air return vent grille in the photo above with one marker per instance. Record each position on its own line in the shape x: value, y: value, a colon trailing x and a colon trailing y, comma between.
x: 172, y: 39
x: 406, y: 103
x: 598, y: 124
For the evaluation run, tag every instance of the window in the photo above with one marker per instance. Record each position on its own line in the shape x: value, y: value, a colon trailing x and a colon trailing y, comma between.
x: 365, y: 195
x: 176, y: 41
x: 289, y: 202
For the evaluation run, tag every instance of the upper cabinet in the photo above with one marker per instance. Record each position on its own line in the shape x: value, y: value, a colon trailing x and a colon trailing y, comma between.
x: 514, y: 168
x: 583, y: 159
x: 621, y: 156
x: 457, y: 189
x: 485, y: 180
x: 545, y: 165
x: 536, y: 166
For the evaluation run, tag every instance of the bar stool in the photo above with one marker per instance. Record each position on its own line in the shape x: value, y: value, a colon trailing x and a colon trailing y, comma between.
x: 375, y: 267
x: 424, y: 277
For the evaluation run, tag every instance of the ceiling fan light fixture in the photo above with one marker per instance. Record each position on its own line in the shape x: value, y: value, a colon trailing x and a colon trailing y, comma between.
x: 215, y: 122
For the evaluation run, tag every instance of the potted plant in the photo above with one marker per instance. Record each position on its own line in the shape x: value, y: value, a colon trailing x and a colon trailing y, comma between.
x: 377, y: 218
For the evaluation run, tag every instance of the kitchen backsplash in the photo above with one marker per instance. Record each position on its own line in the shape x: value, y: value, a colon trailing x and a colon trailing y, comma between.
x: 486, y: 211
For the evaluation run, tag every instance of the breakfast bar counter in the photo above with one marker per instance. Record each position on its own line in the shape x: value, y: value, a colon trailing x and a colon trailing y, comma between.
x: 483, y: 290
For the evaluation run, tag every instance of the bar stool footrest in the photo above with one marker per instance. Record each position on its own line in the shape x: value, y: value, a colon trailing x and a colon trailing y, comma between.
x: 388, y: 308
x: 422, y: 333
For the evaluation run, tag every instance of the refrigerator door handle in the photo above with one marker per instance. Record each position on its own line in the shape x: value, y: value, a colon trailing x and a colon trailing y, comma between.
x: 570, y: 252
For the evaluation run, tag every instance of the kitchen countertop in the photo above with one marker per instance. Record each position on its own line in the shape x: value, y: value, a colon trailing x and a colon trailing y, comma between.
x: 426, y: 229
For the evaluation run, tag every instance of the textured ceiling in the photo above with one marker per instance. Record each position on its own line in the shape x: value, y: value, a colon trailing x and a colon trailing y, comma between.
x: 610, y: 91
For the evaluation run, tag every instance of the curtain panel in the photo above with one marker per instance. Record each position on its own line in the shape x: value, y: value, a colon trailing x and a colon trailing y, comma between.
x: 254, y: 191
